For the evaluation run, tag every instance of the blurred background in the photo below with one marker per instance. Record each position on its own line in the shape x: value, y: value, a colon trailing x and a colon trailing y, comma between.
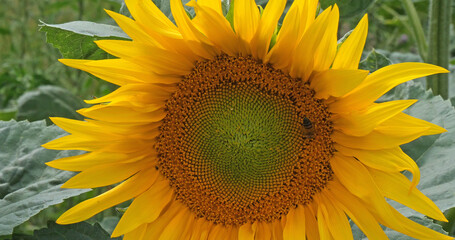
x: 27, y: 61
x: 31, y: 78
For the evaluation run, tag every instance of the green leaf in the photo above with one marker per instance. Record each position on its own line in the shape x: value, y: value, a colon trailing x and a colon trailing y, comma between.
x: 164, y: 6
x: 225, y: 7
x: 75, y: 39
x: 109, y: 223
x: 48, y: 101
x: 230, y: 13
x: 124, y: 9
x: 348, y: 8
x: 79, y: 231
x: 27, y: 185
x: 374, y: 61
x: 399, y: 57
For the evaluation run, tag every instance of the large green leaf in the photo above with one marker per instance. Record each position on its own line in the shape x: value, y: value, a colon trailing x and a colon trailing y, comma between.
x: 434, y: 154
x: 78, y: 231
x: 27, y: 185
x: 48, y: 101
x: 348, y: 8
x: 75, y: 39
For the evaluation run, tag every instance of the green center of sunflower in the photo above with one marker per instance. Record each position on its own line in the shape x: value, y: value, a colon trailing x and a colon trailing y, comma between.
x: 243, y: 141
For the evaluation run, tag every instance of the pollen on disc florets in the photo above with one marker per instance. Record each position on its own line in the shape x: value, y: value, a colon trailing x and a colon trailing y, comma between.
x: 236, y: 145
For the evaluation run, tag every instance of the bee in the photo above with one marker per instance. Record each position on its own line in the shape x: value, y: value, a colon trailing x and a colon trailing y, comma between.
x: 308, y: 128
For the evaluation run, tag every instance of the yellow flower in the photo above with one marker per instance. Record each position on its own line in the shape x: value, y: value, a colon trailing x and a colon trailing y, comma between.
x: 216, y: 133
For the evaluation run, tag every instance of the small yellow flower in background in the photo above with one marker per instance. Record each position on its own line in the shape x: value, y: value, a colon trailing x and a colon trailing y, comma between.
x: 216, y: 134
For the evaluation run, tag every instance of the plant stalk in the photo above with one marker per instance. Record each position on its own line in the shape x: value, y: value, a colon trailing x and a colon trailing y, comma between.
x: 438, y: 46
x: 416, y: 28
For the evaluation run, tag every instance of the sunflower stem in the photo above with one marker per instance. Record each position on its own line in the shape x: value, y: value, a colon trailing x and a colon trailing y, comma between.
x: 416, y: 28
x: 438, y: 50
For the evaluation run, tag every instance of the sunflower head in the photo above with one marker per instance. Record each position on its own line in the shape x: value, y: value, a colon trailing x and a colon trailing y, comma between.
x: 217, y: 133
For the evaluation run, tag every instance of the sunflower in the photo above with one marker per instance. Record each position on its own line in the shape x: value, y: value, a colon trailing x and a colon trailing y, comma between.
x: 231, y: 129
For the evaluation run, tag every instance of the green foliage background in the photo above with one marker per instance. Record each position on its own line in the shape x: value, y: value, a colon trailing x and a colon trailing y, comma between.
x: 35, y: 86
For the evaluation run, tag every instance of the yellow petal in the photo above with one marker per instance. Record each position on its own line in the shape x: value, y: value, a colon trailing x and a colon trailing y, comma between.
x: 263, y: 231
x: 145, y: 208
x: 147, y: 13
x: 233, y: 233
x: 309, y: 10
x: 403, y: 120
x: 334, y: 217
x: 74, y: 142
x: 344, y: 167
x: 153, y: 93
x: 387, y: 138
x: 311, y: 223
x: 286, y: 40
x: 303, y: 55
x: 157, y: 25
x: 277, y: 229
x: 336, y: 82
x: 136, y: 234
x: 120, y: 71
x: 397, y: 187
x: 362, y: 185
x: 322, y: 224
x: 216, y: 27
x: 132, y: 29
x: 216, y: 232
x: 104, y: 175
x: 190, y: 33
x: 187, y: 29
x: 215, y: 5
x: 80, y: 127
x: 130, y: 188
x: 295, y: 224
x: 247, y: 231
x: 266, y: 27
x: 388, y: 160
x: 166, y: 220
x: 246, y: 18
x: 111, y: 70
x: 107, y: 133
x: 356, y: 210
x: 160, y: 61
x: 88, y: 160
x: 201, y: 229
x: 300, y: 16
x: 348, y: 56
x: 381, y: 81
x: 121, y: 114
x: 360, y: 123
x: 130, y: 130
x: 177, y: 226
x: 394, y: 220
x: 327, y: 48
